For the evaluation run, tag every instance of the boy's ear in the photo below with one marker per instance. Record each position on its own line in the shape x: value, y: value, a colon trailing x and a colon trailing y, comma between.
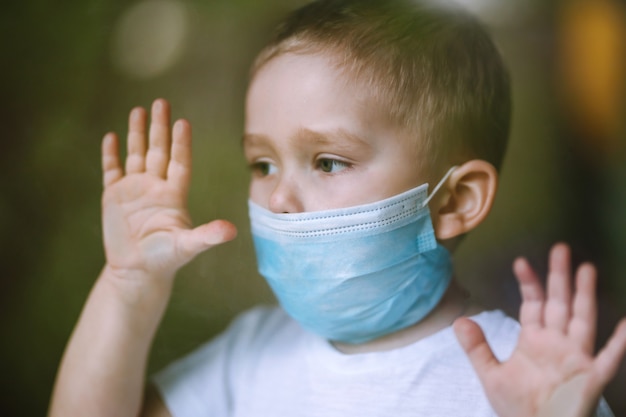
x: 465, y: 199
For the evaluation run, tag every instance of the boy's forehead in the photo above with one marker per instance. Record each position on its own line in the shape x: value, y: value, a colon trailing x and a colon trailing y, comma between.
x: 303, y: 75
x: 307, y: 85
x: 324, y: 65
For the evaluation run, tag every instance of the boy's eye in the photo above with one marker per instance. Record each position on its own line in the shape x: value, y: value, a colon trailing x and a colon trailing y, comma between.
x: 263, y: 168
x: 331, y: 165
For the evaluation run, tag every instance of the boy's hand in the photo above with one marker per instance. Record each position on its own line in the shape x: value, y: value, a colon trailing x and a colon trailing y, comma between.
x: 147, y: 230
x: 553, y: 370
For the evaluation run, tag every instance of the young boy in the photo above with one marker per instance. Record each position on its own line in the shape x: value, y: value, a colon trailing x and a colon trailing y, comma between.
x: 351, y: 110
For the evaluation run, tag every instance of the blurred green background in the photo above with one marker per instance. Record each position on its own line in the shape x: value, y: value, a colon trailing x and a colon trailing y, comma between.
x: 71, y: 71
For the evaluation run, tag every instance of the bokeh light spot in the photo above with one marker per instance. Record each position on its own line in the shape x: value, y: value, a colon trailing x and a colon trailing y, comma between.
x: 149, y: 38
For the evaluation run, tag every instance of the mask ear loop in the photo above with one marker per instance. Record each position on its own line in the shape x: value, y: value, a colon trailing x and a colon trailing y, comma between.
x: 439, y: 185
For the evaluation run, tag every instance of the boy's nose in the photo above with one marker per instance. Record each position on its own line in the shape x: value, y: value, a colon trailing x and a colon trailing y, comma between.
x: 286, y: 197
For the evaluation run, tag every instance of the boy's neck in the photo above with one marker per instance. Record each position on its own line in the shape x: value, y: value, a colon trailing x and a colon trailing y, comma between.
x: 455, y: 303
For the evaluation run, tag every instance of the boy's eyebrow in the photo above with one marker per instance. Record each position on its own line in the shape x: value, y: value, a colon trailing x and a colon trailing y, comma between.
x: 330, y: 137
x: 313, y: 137
x: 252, y: 138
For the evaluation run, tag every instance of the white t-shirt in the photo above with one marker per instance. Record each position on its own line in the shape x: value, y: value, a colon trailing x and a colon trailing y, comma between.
x: 266, y: 365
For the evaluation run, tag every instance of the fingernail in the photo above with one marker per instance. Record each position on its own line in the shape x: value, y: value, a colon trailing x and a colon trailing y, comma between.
x: 135, y: 114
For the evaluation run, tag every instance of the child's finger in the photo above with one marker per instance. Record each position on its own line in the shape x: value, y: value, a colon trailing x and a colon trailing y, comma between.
x: 136, y: 141
x: 111, y: 168
x: 531, y: 310
x: 179, y: 168
x: 193, y: 242
x: 582, y: 327
x: 473, y: 342
x: 159, y: 142
x: 557, y: 307
x: 609, y: 358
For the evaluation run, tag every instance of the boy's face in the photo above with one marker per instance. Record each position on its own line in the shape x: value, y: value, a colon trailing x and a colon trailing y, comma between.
x: 316, y: 142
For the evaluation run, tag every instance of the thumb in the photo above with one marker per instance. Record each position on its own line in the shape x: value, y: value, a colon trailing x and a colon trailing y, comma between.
x: 194, y: 241
x: 608, y: 360
x: 473, y: 342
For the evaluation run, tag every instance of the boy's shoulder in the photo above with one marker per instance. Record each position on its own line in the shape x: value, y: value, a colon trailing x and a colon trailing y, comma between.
x: 264, y: 354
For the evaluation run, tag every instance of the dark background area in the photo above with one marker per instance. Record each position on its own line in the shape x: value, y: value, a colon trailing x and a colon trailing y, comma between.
x: 70, y: 72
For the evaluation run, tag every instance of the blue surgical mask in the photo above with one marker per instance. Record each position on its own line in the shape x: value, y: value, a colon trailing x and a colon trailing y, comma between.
x: 354, y: 274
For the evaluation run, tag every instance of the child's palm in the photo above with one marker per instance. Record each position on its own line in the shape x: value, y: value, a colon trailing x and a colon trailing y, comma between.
x: 145, y: 220
x: 552, y: 371
x: 543, y: 367
x: 141, y: 217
